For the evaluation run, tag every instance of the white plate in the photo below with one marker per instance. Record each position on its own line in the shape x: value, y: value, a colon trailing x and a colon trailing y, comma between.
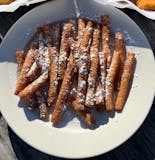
x: 71, y: 139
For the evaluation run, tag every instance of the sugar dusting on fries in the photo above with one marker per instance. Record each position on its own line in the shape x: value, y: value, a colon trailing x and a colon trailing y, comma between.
x: 73, y: 64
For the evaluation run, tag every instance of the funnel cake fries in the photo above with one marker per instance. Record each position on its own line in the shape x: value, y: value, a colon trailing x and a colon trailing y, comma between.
x: 23, y: 81
x: 111, y: 75
x: 99, y: 97
x: 80, y: 109
x: 35, y: 69
x: 81, y: 28
x: 56, y: 35
x: 47, y: 35
x: 76, y: 44
x: 64, y: 49
x: 104, y: 62
x: 74, y: 28
x: 106, y: 38
x: 43, y: 60
x: 125, y: 79
x: 93, y: 67
x: 119, y: 47
x: 62, y: 97
x: 83, y: 64
x: 53, y: 84
x: 73, y: 65
x: 42, y: 105
x: 44, y: 63
x: 20, y: 57
x: 82, y: 112
x: 34, y: 86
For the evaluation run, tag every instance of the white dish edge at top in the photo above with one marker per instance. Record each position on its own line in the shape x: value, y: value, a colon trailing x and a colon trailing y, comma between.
x: 116, y: 3
x: 128, y: 4
x: 74, y: 140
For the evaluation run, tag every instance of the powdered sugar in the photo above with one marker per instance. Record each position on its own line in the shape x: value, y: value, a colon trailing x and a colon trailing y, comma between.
x: 32, y: 70
x: 62, y: 57
x: 44, y: 61
x: 99, y: 95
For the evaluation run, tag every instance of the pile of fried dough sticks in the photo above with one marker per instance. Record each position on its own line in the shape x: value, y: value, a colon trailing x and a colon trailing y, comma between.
x: 73, y: 63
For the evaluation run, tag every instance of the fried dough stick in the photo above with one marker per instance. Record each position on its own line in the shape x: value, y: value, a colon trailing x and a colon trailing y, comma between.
x: 74, y: 28
x: 100, y: 87
x: 83, y: 64
x: 80, y: 109
x: 76, y: 44
x: 81, y: 28
x: 23, y: 81
x: 34, y: 86
x: 20, y: 57
x: 43, y: 109
x: 53, y: 84
x: 43, y: 62
x: 106, y: 38
x: 120, y: 47
x: 62, y: 97
x: 56, y: 34
x: 94, y: 59
x: 35, y: 69
x: 125, y: 79
x: 47, y: 35
x: 64, y: 49
x: 82, y: 112
x: 110, y: 79
x: 54, y: 62
x: 104, y: 62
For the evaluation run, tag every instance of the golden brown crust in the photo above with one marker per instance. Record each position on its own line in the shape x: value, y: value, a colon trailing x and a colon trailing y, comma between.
x: 81, y: 28
x: 83, y: 63
x: 64, y: 49
x: 30, y: 90
x: 82, y: 112
x: 43, y: 109
x: 125, y: 79
x: 81, y: 50
x: 74, y: 28
x: 56, y: 35
x: 76, y: 44
x: 147, y: 5
x: 119, y: 47
x: 23, y: 81
x: 53, y: 83
x: 47, y: 35
x: 62, y: 97
x: 94, y: 60
x: 20, y: 57
x: 5, y: 1
x: 110, y: 79
x: 106, y: 38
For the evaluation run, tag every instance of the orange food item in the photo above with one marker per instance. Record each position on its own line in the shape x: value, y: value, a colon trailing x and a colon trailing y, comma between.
x: 145, y: 4
x: 5, y: 1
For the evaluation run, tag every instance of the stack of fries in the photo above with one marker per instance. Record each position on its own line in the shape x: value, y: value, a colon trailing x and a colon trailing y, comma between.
x: 73, y: 63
